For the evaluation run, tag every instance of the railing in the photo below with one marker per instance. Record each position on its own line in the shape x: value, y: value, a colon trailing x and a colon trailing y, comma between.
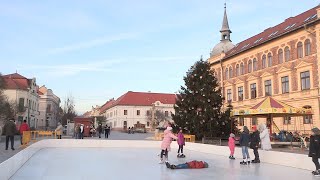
x: 34, y: 136
x: 187, y: 137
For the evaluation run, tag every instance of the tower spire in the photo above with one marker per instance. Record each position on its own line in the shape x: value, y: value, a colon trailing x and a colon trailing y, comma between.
x: 225, y: 30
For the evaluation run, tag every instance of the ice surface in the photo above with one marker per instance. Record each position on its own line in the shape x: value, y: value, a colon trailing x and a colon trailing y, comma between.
x: 139, y: 163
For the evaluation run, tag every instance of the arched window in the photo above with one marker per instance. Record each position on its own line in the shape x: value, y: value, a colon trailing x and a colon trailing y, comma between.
x: 249, y: 66
x: 241, y: 69
x: 280, y: 56
x: 227, y: 73
x: 264, y: 61
x: 287, y: 54
x: 255, y: 64
x: 307, y: 47
x: 269, y: 60
x: 300, y: 50
x: 237, y: 70
x: 230, y: 72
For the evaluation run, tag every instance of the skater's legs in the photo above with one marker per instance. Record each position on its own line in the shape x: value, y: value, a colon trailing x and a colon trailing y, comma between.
x: 316, y: 162
x: 7, y: 141
x: 243, y: 148
x: 256, y: 154
x: 182, y: 166
x: 166, y: 154
x: 180, y: 149
x: 162, y: 153
x: 231, y: 151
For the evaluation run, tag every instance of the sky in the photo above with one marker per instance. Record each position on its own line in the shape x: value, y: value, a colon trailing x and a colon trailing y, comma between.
x: 100, y: 49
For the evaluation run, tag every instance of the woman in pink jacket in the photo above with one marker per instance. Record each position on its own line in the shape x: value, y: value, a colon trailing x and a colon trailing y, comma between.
x: 231, y: 145
x: 166, y: 142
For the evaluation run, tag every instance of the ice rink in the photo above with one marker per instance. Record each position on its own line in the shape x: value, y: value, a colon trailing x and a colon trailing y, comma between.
x: 142, y: 163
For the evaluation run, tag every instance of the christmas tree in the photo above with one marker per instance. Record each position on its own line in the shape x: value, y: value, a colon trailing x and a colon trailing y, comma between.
x: 199, y: 104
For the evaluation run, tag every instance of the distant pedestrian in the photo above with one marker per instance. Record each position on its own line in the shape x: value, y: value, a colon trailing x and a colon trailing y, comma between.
x: 59, y: 130
x: 314, y: 150
x: 77, y: 131
x: 99, y: 129
x: 129, y: 130
x: 132, y: 130
x: 181, y: 143
x: 81, y: 131
x: 10, y: 130
x: 254, y: 144
x: 244, y: 143
x: 106, y: 131
x: 232, y: 145
x: 109, y: 130
x: 23, y: 127
x: 264, y: 137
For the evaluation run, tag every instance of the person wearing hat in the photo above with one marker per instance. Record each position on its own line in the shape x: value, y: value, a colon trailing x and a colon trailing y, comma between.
x: 188, y: 165
x: 254, y: 144
x: 181, y: 143
x: 232, y: 145
x: 314, y: 149
x: 166, y: 142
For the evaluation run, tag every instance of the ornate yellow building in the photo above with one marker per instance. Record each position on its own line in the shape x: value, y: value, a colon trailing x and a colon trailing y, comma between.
x: 280, y: 62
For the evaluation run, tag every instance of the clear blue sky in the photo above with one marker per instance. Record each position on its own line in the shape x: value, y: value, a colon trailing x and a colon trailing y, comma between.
x: 100, y: 49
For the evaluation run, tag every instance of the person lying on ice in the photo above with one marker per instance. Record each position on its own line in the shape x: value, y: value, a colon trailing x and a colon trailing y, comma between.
x: 188, y: 165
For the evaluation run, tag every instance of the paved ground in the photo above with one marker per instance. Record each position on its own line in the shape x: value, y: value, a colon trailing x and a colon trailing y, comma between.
x: 138, y: 163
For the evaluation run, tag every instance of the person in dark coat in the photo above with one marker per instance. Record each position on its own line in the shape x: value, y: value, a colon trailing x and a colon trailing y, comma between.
x: 10, y: 130
x: 244, y: 143
x: 254, y: 144
x: 314, y: 150
x: 99, y: 129
x: 106, y: 131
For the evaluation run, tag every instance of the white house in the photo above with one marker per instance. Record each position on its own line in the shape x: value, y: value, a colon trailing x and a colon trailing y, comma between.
x: 23, y: 92
x: 133, y: 108
x: 49, y: 105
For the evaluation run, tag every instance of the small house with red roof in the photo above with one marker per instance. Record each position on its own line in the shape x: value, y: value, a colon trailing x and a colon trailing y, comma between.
x: 133, y: 109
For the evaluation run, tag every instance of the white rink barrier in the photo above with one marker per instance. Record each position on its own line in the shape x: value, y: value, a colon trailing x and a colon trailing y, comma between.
x: 12, y: 165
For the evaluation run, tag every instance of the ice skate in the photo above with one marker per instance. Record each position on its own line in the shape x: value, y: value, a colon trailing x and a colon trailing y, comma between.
x: 243, y: 162
x: 231, y: 157
x: 248, y: 161
x: 161, y: 161
x: 316, y: 173
x: 168, y: 164
x: 255, y: 161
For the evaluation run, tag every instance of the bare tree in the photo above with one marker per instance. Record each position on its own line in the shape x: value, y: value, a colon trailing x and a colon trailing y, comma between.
x: 155, y: 117
x: 7, y: 109
x: 68, y: 112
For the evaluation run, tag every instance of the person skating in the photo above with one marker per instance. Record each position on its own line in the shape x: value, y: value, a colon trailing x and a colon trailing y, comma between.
x: 23, y: 127
x: 232, y: 145
x: 264, y: 137
x: 188, y: 165
x: 181, y: 143
x: 244, y: 143
x: 165, y: 145
x: 314, y: 150
x: 59, y: 130
x: 254, y: 144
x: 9, y: 130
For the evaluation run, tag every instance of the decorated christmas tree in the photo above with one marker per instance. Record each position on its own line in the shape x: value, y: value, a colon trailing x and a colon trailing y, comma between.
x: 199, y: 105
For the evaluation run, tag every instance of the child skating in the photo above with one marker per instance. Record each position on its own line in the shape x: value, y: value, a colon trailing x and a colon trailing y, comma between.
x: 181, y: 143
x: 232, y: 145
x: 244, y: 143
x: 166, y: 142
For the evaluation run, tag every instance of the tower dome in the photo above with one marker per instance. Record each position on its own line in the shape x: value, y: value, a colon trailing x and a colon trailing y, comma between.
x: 225, y: 42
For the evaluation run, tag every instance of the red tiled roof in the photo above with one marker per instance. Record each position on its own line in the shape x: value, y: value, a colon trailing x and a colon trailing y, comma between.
x: 16, y: 83
x: 14, y: 76
x: 285, y: 27
x: 140, y: 99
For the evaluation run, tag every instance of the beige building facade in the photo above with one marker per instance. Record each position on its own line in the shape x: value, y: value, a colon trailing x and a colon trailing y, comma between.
x: 282, y: 62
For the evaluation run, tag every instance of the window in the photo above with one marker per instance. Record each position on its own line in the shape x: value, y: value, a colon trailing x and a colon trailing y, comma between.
x: 305, y: 80
x: 148, y: 113
x: 299, y: 49
x: 286, y: 120
x: 111, y: 114
x: 229, y: 95
x: 166, y: 114
x: 240, y: 93
x: 285, y: 84
x: 307, y: 119
x: 268, y: 88
x: 254, y: 121
x: 148, y: 123
x: 115, y: 123
x: 48, y: 108
x: 227, y: 73
x: 269, y: 60
x: 307, y: 47
x: 255, y: 64
x: 230, y: 72
x: 280, y: 56
x: 263, y: 61
x: 138, y: 112
x: 241, y: 69
x: 250, y: 66
x: 253, y: 90
x: 237, y: 70
x: 21, y: 104
x: 287, y: 53
x: 125, y: 112
x: 241, y: 121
